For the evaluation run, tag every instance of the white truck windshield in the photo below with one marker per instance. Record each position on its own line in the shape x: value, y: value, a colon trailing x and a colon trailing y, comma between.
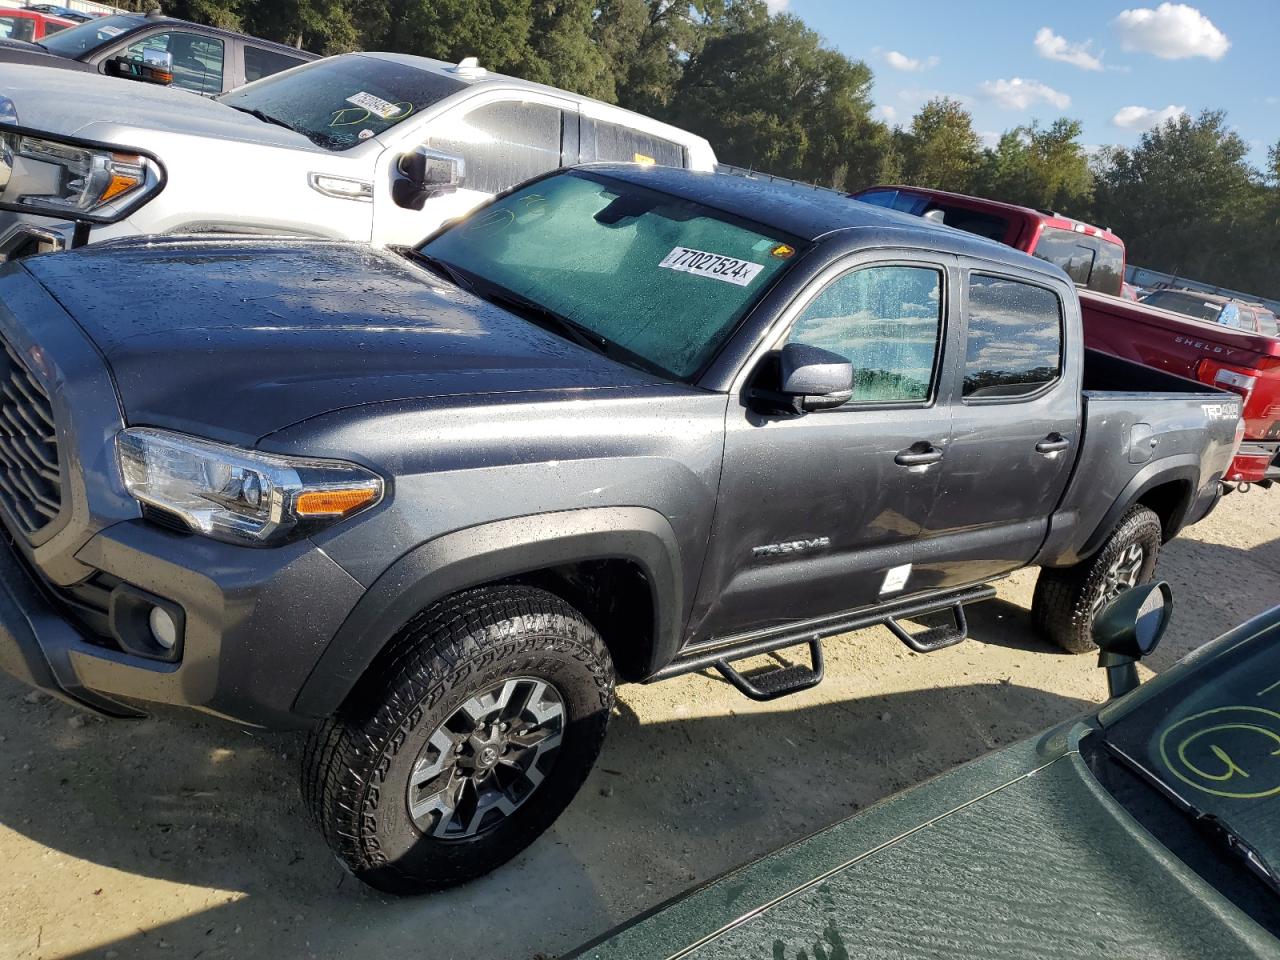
x: 339, y: 102
x: 90, y: 35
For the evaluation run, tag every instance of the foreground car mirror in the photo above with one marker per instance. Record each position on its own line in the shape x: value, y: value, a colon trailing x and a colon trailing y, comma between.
x: 815, y: 379
x: 1128, y: 629
x: 423, y: 173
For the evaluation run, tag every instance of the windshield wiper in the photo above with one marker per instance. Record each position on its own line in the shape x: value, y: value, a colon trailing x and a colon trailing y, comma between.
x: 440, y: 268
x: 265, y: 117
x: 1209, y: 824
x: 546, y: 318
x: 1228, y: 837
x: 531, y: 310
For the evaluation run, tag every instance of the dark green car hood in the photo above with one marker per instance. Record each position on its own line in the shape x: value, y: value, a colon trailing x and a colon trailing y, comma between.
x: 1019, y: 854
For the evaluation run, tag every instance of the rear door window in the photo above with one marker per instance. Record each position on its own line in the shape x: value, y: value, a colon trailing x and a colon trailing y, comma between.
x: 887, y: 321
x: 612, y: 142
x: 259, y: 62
x: 1014, y: 340
x: 502, y: 143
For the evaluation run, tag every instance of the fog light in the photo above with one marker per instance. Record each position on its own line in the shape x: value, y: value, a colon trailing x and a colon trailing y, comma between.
x: 163, y: 629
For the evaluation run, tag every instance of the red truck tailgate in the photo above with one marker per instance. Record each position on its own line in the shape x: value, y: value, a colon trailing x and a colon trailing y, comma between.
x: 1201, y: 351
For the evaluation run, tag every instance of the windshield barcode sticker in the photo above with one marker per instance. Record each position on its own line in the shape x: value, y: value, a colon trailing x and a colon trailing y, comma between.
x: 713, y: 265
x: 380, y: 108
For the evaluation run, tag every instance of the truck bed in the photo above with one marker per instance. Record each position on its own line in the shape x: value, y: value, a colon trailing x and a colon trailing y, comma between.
x: 1135, y: 421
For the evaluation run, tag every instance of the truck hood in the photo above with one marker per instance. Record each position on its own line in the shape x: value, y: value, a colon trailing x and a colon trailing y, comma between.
x: 237, y: 338
x: 1014, y: 856
x: 74, y: 103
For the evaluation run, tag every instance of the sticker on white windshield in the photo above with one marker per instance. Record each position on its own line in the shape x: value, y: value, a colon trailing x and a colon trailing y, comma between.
x: 383, y: 109
x: 713, y: 265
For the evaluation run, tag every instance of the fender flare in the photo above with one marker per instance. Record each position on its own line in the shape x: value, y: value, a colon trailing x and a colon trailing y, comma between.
x: 1183, y: 467
x: 505, y: 548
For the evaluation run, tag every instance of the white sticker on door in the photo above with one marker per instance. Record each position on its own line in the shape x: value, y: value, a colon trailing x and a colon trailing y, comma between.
x: 713, y: 265
x: 895, y: 578
x: 384, y: 109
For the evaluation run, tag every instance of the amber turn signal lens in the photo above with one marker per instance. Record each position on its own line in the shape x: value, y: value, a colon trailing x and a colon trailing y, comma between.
x: 120, y: 183
x: 333, y: 503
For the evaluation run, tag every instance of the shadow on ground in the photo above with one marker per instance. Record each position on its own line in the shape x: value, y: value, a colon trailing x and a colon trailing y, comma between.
x: 205, y: 804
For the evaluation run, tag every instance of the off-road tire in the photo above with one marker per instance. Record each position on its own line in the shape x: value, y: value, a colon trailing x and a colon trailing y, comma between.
x: 356, y: 766
x: 1064, y: 600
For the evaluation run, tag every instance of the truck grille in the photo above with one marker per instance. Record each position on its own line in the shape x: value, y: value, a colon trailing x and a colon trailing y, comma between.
x: 30, y: 482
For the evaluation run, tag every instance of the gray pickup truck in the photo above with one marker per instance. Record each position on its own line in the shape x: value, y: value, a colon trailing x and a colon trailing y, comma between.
x: 622, y: 423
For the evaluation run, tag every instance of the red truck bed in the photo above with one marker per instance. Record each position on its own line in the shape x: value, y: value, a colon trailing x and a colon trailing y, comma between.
x: 1245, y: 363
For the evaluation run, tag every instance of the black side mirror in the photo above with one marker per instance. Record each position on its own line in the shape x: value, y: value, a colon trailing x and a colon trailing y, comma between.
x: 423, y: 173
x: 815, y: 379
x: 1128, y: 629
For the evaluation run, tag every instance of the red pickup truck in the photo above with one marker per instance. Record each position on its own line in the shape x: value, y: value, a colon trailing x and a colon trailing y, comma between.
x: 1226, y: 357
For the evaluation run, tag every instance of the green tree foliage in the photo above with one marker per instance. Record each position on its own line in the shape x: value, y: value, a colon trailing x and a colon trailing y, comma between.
x: 940, y: 149
x: 767, y: 93
x: 1182, y: 197
x: 1045, y: 168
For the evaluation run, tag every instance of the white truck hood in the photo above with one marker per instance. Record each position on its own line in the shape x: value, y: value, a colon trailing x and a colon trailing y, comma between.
x: 78, y: 104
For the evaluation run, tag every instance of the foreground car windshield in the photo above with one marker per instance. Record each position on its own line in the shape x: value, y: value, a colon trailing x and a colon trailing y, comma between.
x: 1212, y: 739
x: 662, y: 278
x: 89, y: 35
x: 339, y: 102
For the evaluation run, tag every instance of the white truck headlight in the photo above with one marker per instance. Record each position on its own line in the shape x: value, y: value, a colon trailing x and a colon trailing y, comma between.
x: 238, y: 495
x: 73, y: 179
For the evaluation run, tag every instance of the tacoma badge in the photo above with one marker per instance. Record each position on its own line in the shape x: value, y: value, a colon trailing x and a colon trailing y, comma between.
x: 791, y: 546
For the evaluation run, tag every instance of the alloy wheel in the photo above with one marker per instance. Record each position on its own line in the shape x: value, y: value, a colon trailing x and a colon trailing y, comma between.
x: 486, y: 759
x: 1120, y: 576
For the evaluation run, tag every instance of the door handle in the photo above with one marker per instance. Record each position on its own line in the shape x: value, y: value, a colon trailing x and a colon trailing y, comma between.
x: 918, y: 455
x: 1053, y: 443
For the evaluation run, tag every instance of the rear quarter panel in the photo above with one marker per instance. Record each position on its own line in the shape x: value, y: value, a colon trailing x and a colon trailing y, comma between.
x: 1133, y: 443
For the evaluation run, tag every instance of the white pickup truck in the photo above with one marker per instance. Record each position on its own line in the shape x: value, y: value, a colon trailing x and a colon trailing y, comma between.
x: 376, y: 147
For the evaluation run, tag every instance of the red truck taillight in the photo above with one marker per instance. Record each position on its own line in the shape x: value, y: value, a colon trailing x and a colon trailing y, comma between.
x: 1236, y: 379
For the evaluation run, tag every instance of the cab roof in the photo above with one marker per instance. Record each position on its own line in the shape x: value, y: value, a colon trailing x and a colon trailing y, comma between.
x: 808, y: 214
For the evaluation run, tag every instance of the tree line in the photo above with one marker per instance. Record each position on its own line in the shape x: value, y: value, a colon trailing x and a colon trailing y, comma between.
x: 769, y: 94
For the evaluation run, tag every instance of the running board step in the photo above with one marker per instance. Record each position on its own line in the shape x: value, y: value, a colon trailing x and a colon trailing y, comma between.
x: 934, y: 638
x: 779, y: 682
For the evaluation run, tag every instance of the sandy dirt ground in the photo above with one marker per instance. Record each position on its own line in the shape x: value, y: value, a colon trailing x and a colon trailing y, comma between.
x: 179, y: 837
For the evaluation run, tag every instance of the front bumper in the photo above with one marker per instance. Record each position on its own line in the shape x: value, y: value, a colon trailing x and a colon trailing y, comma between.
x: 256, y: 622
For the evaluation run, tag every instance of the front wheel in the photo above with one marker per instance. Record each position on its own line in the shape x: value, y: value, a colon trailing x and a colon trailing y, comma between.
x: 467, y: 739
x: 1068, y: 600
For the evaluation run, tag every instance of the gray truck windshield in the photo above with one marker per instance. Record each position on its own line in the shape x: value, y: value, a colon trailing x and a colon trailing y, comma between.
x: 1213, y: 739
x: 339, y: 102
x: 662, y: 278
x: 90, y: 35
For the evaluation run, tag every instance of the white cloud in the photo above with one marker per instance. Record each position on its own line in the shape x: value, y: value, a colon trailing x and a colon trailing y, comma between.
x: 900, y: 61
x: 777, y: 6
x: 1019, y: 94
x: 1144, y: 118
x: 886, y: 113
x: 1053, y: 47
x: 1172, y: 31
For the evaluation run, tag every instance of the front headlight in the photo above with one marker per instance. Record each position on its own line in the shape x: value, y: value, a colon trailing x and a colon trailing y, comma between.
x: 239, y: 495
x: 72, y: 179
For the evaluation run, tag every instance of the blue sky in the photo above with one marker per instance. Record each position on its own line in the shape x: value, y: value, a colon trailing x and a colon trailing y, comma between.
x: 1116, y: 67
